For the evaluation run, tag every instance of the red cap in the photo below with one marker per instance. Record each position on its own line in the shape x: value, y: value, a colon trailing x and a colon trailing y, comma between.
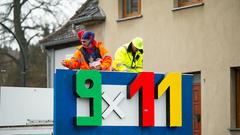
x: 80, y: 34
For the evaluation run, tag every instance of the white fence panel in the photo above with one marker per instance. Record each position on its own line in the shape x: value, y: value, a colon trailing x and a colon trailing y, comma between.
x: 21, y: 106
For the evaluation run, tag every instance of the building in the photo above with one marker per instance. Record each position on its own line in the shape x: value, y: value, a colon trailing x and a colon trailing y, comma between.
x: 192, y: 36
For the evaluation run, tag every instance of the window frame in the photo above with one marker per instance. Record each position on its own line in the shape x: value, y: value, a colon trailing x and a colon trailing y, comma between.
x: 237, y: 100
x: 189, y: 3
x: 124, y: 9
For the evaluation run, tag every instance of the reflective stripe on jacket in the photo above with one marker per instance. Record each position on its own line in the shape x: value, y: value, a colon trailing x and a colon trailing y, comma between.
x: 123, y: 60
x: 78, y: 61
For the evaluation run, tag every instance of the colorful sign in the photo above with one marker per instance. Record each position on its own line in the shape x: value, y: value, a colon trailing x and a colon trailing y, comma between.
x: 92, y: 102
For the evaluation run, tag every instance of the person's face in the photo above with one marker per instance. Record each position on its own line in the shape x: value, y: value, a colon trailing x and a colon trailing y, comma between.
x: 85, y: 43
x: 134, y: 49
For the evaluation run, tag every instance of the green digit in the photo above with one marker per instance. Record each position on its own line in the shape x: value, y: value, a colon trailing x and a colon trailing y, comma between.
x: 93, y: 93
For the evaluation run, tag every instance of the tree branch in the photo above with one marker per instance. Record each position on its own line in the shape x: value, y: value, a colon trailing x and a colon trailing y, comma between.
x: 29, y: 40
x: 31, y: 27
x: 7, y: 40
x: 30, y: 11
x: 5, y: 19
x: 9, y: 9
x: 23, y: 2
x: 6, y: 4
x: 50, y: 3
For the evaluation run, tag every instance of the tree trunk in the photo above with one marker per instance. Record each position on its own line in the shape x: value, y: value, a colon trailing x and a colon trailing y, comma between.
x: 21, y: 37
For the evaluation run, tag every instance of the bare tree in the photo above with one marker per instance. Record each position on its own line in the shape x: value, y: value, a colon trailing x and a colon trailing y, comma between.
x: 28, y: 20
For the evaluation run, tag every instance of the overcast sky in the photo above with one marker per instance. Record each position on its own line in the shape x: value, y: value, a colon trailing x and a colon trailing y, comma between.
x: 72, y: 6
x: 69, y: 8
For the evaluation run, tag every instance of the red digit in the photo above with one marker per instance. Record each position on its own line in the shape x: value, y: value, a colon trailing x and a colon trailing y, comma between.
x: 145, y: 83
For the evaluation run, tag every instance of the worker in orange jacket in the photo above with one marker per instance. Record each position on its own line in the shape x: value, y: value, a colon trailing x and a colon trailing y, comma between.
x: 90, y: 56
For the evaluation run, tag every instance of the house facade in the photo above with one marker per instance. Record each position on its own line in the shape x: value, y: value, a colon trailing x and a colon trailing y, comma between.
x: 191, y: 36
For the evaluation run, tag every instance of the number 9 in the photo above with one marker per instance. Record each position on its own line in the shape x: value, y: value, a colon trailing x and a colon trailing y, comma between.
x: 93, y: 92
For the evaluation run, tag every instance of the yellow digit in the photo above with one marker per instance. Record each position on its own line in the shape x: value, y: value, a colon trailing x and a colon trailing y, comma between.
x: 173, y: 81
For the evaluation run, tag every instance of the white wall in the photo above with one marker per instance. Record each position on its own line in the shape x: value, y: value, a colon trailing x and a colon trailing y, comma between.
x: 22, y: 106
x: 54, y: 62
x: 63, y: 54
x: 50, y: 67
x: 27, y: 131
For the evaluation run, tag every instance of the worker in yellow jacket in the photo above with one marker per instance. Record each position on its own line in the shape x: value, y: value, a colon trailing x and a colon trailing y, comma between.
x: 129, y: 57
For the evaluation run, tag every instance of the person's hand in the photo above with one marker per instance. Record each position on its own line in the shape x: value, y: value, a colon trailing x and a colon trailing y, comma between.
x: 98, y: 67
x: 95, y: 67
x: 63, y: 63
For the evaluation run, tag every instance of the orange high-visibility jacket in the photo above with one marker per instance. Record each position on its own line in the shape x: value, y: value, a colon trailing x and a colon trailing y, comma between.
x: 78, y: 60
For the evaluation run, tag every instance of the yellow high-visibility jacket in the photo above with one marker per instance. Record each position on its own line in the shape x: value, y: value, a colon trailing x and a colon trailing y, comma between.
x: 123, y: 60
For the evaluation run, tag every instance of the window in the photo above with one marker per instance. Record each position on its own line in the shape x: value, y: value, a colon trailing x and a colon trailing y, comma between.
x: 130, y: 8
x: 237, y: 86
x: 235, y: 98
x: 182, y: 3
